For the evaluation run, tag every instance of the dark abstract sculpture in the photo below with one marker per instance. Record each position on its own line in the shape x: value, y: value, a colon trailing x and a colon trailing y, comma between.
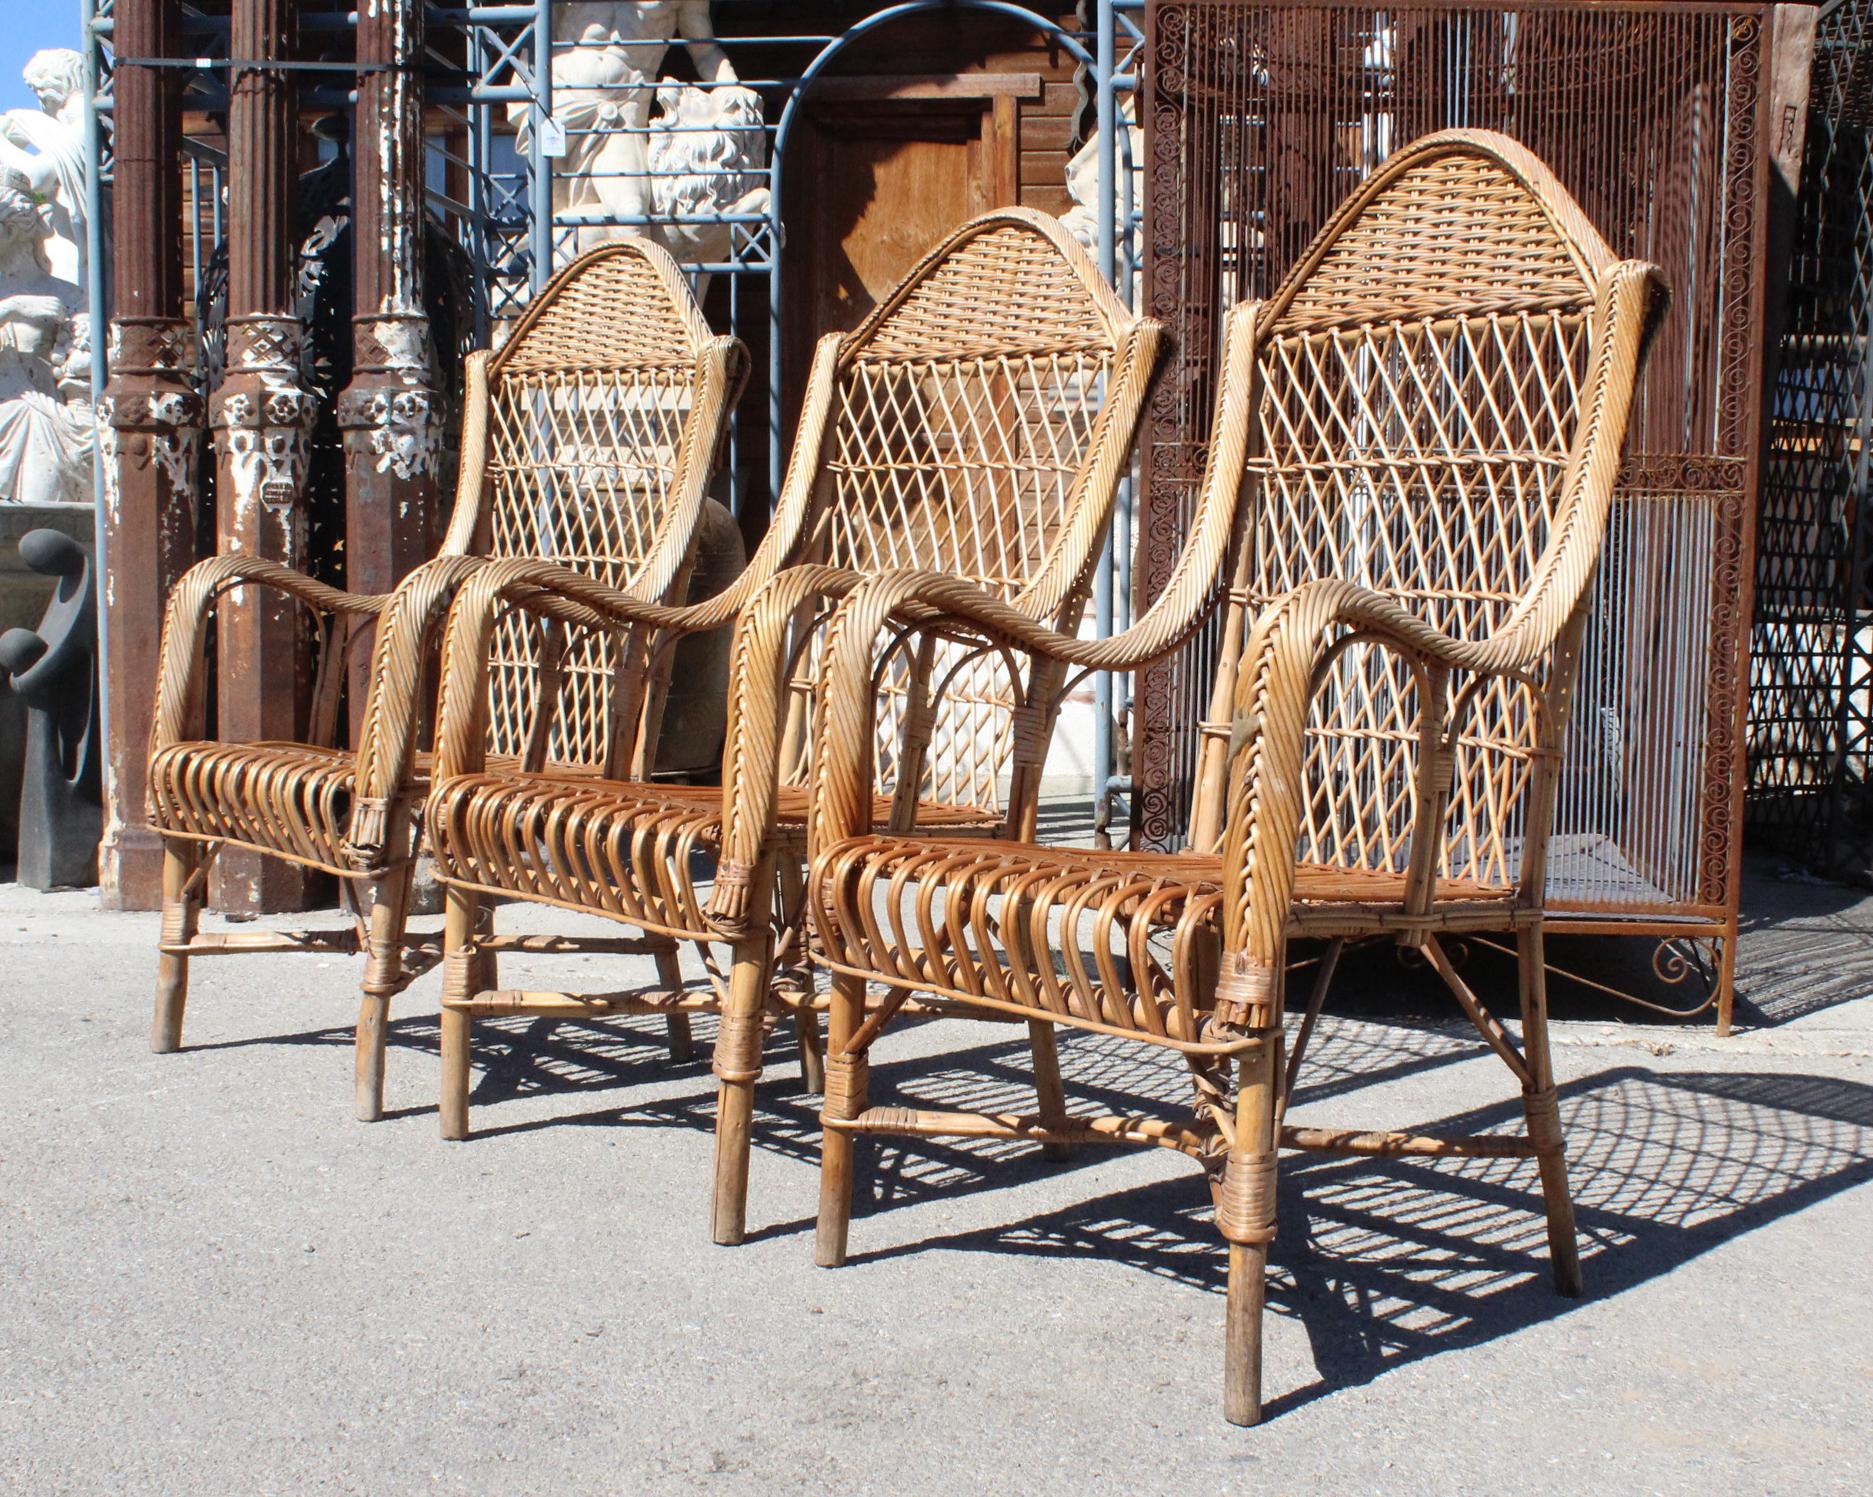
x: 54, y: 670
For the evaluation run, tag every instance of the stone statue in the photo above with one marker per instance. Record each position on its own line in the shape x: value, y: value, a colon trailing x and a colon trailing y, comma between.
x: 47, y: 147
x: 703, y: 153
x: 707, y: 156
x: 1082, y: 219
x: 54, y: 670
x: 48, y: 431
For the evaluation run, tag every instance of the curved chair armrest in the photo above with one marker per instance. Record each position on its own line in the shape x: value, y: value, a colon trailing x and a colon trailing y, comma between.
x: 542, y: 588
x: 185, y: 628
x: 1293, y: 638
x: 842, y: 735
x: 758, y: 696
x: 393, y: 707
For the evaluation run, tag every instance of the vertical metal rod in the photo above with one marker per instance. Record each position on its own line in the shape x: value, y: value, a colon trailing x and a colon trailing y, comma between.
x: 97, y: 304
x: 542, y: 163
x: 1103, y: 52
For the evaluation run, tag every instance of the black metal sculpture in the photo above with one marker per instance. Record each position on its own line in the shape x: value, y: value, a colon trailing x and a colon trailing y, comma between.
x: 54, y: 671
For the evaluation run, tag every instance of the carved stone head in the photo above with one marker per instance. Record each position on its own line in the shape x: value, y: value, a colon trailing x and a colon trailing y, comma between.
x: 56, y: 75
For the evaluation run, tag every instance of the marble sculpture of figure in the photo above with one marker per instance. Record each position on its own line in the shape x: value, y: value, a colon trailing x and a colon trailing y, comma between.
x: 47, y: 147
x: 1082, y: 219
x: 603, y: 87
x: 708, y: 155
x: 47, y: 426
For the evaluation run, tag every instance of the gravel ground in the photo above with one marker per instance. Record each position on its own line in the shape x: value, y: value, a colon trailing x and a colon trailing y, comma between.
x: 216, y: 1282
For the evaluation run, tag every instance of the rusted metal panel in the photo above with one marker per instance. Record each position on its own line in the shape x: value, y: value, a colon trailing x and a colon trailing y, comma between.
x: 262, y: 416
x: 150, y: 432
x: 1660, y: 119
x: 1811, y: 717
x: 391, y: 412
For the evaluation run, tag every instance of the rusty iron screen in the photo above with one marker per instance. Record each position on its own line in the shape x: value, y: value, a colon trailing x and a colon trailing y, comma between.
x: 1811, y: 657
x: 1259, y: 118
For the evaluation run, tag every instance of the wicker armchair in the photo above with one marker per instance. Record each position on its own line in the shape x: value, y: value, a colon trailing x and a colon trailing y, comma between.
x: 1426, y: 420
x: 588, y: 439
x: 979, y: 420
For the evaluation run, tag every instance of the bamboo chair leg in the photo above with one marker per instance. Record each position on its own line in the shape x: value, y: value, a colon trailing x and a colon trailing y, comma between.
x: 737, y: 1068
x: 182, y: 909
x: 461, y: 967
x: 812, y: 1058
x: 846, y: 1078
x: 1544, y: 1117
x: 1050, y: 1095
x: 485, y: 969
x: 383, y: 979
x: 670, y: 974
x: 1246, y: 1215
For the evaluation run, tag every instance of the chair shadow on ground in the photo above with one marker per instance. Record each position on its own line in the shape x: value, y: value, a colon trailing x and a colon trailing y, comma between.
x: 1388, y: 1262
x: 1383, y: 1263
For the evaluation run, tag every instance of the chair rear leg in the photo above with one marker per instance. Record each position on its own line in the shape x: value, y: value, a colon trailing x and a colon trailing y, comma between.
x: 383, y: 980
x: 182, y: 910
x: 737, y: 1068
x: 1544, y: 1117
x: 1245, y: 1213
x: 792, y: 879
x: 670, y: 974
x: 1050, y: 1095
x: 462, y: 968
x: 812, y: 1058
x: 847, y: 1076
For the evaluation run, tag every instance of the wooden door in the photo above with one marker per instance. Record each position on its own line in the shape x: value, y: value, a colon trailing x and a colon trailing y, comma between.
x: 880, y: 169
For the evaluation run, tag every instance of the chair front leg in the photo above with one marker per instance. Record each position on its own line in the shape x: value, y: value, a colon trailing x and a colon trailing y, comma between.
x: 383, y: 980
x: 737, y: 1068
x: 846, y: 1087
x: 1544, y: 1115
x: 1245, y: 1213
x: 183, y: 860
x: 461, y: 973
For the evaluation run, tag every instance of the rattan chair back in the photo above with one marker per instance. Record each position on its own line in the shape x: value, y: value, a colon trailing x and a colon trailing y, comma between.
x: 597, y: 410
x: 1415, y: 433
x: 978, y: 417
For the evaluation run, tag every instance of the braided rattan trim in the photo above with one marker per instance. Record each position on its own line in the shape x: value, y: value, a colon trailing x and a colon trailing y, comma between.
x: 1544, y: 1120
x: 848, y: 1083
x: 1245, y: 1200
x: 738, y: 1047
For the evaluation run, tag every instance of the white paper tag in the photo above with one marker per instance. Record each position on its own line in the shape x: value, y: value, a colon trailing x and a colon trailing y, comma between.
x: 552, y: 138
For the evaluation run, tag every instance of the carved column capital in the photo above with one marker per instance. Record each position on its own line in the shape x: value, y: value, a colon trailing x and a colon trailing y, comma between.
x: 152, y: 384
x: 262, y: 416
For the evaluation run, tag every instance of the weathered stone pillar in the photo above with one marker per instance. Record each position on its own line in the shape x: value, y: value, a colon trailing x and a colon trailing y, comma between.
x: 262, y: 419
x: 150, y: 431
x: 390, y: 413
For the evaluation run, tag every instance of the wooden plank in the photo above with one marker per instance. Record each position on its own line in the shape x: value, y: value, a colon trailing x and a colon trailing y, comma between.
x: 869, y: 87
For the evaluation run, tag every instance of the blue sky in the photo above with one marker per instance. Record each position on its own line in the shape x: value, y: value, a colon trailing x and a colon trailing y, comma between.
x: 27, y: 26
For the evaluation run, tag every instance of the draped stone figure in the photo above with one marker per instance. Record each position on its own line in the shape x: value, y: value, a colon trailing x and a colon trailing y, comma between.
x: 702, y: 153
x: 47, y: 147
x: 47, y: 426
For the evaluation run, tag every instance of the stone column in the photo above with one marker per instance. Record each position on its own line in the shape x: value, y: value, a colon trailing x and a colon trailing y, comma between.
x: 150, y: 433
x: 391, y: 413
x: 262, y: 419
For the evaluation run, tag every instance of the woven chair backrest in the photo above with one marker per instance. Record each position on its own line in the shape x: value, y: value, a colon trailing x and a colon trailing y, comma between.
x: 969, y: 434
x: 1421, y: 382
x: 593, y: 419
